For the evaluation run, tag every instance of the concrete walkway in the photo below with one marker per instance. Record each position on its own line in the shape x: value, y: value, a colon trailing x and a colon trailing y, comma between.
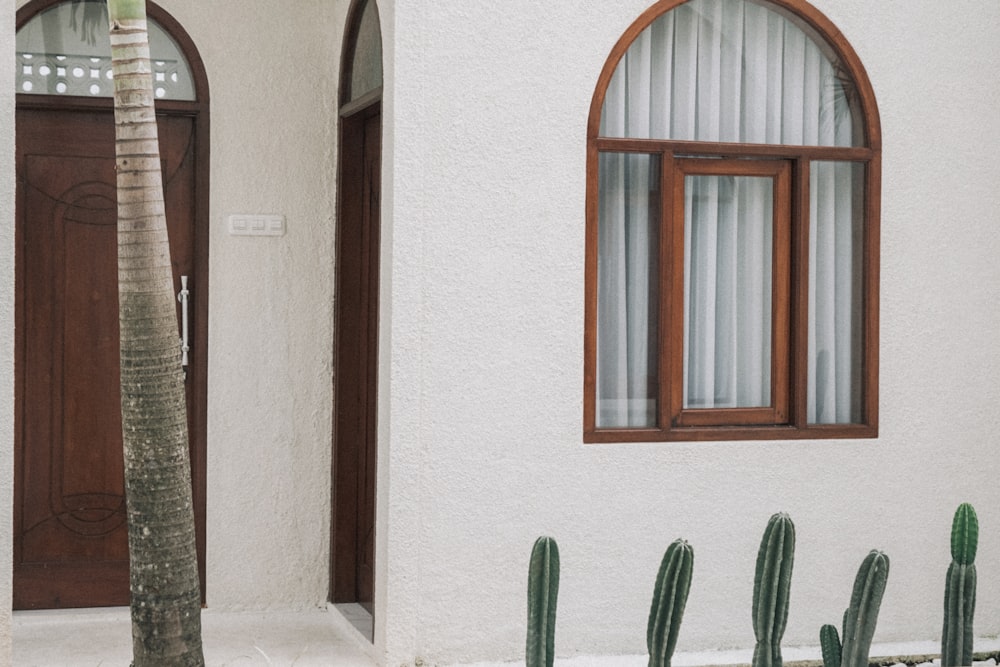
x: 102, y: 638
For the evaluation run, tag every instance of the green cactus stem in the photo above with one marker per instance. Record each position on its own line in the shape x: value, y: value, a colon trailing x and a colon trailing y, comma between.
x: 960, y: 589
x: 772, y: 583
x: 543, y: 589
x: 964, y: 535
x: 862, y: 615
x: 673, y: 581
x: 829, y: 641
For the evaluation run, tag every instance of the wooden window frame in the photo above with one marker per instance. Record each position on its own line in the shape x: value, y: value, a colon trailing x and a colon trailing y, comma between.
x: 776, y: 412
x: 786, y: 418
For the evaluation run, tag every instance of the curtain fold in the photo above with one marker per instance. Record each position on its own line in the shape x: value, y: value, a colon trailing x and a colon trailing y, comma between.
x: 835, y: 299
x: 732, y: 71
x: 628, y: 298
x: 728, y: 281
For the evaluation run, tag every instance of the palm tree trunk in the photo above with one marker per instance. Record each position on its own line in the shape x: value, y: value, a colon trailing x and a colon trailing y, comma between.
x: 165, y: 593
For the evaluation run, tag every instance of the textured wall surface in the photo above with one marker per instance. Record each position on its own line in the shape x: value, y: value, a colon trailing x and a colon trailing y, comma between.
x: 490, y: 111
x: 272, y: 79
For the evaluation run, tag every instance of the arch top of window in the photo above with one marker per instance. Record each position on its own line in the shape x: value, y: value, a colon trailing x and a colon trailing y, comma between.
x: 735, y: 71
x: 65, y: 50
x: 362, y: 75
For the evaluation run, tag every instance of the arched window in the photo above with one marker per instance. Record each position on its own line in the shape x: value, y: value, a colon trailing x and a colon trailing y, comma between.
x: 65, y: 50
x: 362, y: 68
x: 732, y: 229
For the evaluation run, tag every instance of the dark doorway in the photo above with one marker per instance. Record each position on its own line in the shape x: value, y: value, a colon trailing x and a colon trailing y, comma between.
x: 355, y: 444
x: 357, y: 360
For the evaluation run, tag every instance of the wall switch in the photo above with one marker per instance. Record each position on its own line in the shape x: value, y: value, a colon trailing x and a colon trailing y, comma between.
x: 242, y: 224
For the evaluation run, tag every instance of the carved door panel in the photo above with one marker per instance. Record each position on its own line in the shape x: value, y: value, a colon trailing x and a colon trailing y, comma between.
x: 70, y: 540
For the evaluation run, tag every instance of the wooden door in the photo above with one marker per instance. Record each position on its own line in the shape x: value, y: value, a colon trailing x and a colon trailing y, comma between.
x: 356, y: 355
x: 70, y: 537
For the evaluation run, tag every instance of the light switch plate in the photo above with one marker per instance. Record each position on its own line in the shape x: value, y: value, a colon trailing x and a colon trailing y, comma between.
x: 245, y: 224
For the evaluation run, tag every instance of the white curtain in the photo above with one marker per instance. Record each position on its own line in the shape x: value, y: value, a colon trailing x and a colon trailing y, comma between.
x: 627, y: 294
x: 727, y: 295
x: 731, y: 71
x: 835, y: 295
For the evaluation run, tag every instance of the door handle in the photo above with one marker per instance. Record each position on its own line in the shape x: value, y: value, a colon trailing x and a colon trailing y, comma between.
x: 184, y: 296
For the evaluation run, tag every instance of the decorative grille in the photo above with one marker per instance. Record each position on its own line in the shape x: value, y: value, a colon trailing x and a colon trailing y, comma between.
x: 48, y: 74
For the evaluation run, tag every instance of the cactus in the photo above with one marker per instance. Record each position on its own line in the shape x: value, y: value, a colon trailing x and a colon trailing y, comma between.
x: 829, y: 641
x: 861, y: 616
x: 771, y: 586
x: 543, y: 589
x: 960, y: 589
x: 673, y: 581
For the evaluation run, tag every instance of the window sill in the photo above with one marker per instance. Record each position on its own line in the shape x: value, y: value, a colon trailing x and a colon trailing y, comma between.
x: 732, y: 433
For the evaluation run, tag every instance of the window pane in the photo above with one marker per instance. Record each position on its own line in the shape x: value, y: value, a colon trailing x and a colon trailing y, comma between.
x: 732, y: 71
x: 366, y: 64
x: 627, y: 290
x: 65, y: 50
x: 835, y: 292
x: 728, y: 228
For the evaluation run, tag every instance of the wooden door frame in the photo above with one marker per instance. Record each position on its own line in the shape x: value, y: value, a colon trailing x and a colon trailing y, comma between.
x: 353, y: 116
x: 198, y: 110
x: 344, y: 536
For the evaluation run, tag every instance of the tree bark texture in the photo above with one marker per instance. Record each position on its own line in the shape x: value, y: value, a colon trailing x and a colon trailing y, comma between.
x: 165, y: 594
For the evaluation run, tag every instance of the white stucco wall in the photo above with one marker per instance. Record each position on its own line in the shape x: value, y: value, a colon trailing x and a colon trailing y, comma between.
x: 485, y: 450
x: 6, y: 322
x: 272, y: 77
x: 273, y: 83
